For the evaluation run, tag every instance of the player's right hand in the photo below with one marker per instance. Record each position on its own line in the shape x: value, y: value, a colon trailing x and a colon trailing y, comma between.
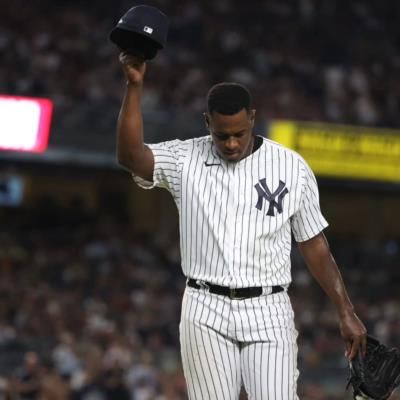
x: 134, y: 68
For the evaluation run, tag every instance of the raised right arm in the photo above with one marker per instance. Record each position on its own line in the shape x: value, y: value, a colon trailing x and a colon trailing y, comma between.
x: 132, y: 153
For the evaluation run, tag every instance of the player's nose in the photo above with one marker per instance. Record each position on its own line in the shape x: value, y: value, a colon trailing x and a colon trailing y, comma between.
x: 231, y: 144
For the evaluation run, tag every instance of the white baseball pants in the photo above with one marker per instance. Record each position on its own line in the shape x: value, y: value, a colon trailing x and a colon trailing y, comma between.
x: 229, y: 343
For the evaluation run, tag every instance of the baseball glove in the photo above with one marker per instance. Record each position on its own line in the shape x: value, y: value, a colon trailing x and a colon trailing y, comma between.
x: 375, y: 375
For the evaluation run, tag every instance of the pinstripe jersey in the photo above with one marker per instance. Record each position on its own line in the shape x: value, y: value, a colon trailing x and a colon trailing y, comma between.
x: 237, y: 218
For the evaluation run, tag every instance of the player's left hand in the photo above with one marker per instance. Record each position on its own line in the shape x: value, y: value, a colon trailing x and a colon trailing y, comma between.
x: 354, y: 334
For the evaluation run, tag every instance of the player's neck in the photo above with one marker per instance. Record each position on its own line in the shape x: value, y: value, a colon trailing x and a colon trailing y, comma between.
x: 257, y: 142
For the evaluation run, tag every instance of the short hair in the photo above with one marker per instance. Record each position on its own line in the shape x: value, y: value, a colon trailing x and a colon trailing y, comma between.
x: 228, y: 98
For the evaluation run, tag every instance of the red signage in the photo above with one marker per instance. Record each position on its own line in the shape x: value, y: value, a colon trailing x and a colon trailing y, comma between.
x: 24, y: 123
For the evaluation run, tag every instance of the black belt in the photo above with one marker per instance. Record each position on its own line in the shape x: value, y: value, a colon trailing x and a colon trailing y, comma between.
x: 232, y: 293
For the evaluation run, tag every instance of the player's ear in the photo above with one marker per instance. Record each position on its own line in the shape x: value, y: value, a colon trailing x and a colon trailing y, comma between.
x: 207, y: 120
x: 252, y: 116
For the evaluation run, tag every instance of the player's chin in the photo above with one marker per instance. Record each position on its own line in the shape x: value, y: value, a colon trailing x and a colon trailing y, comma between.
x: 236, y: 156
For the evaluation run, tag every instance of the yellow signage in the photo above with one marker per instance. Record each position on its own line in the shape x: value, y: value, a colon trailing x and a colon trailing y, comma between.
x: 343, y: 151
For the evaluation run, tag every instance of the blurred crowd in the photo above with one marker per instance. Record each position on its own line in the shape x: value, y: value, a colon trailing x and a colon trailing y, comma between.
x: 325, y: 60
x: 93, y: 311
x: 89, y: 311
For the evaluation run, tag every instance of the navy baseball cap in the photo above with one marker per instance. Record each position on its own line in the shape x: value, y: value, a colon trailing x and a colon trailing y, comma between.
x: 142, y: 30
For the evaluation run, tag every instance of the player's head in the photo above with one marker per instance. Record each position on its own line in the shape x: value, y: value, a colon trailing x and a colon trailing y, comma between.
x: 230, y: 120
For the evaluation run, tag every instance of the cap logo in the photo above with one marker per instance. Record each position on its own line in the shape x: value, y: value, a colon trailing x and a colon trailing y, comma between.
x: 121, y: 21
x: 148, y: 30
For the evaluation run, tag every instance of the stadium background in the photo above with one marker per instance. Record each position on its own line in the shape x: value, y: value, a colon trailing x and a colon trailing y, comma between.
x: 90, y: 282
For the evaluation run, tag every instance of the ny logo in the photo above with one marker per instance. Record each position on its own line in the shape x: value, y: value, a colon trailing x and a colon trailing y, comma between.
x: 264, y: 193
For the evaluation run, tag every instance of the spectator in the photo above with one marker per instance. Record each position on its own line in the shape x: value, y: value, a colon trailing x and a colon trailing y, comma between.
x: 26, y: 382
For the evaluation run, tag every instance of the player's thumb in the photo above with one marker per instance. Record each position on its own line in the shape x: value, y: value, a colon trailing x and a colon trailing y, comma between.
x: 348, y: 349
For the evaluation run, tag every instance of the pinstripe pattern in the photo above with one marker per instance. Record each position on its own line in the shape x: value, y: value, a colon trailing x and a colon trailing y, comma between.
x: 211, y: 360
x: 236, y: 222
x: 225, y: 239
x: 225, y: 342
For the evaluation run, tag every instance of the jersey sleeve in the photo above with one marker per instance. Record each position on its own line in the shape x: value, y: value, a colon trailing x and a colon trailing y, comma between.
x: 308, y: 221
x: 168, y: 161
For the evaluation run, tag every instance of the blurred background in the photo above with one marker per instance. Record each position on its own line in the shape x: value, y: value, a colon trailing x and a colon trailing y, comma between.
x: 90, y: 279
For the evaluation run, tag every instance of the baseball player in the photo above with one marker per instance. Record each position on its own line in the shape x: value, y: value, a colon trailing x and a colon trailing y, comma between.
x: 240, y: 199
